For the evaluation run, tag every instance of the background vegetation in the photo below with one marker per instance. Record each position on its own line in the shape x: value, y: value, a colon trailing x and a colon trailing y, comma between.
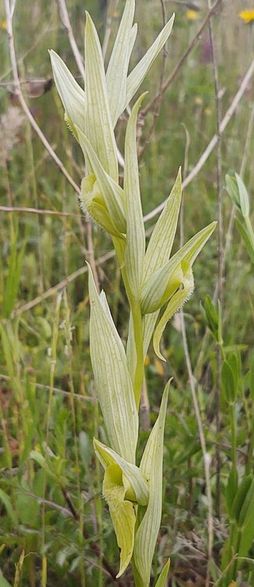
x: 54, y: 527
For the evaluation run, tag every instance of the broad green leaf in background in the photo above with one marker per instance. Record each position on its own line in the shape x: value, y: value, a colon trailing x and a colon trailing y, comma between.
x: 71, y: 94
x: 232, y: 189
x: 117, y: 71
x: 3, y: 582
x: 151, y: 466
x: 247, y: 235
x: 5, y: 500
x: 98, y: 124
x: 135, y: 246
x: 110, y: 191
x: 240, y: 496
x: 139, y: 72
x: 112, y: 378
x: 162, y: 581
x: 243, y: 196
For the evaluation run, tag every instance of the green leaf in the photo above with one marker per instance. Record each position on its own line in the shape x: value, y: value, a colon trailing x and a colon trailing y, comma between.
x: 232, y: 189
x: 158, y: 288
x: 135, y: 246
x: 3, y: 582
x: 71, y: 94
x: 231, y: 488
x: 4, y: 498
x: 111, y: 192
x: 162, y: 580
x: 134, y: 482
x: 112, y: 378
x: 139, y: 72
x: 240, y: 497
x: 174, y: 305
x: 228, y: 383
x: 247, y: 509
x: 162, y: 238
x: 117, y: 71
x: 243, y: 196
x: 212, y: 316
x: 98, y: 124
x: 151, y: 466
x: 246, y: 236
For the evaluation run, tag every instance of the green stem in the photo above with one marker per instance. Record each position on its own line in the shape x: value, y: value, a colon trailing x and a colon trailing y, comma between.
x: 233, y: 435
x: 135, y: 309
x: 138, y: 337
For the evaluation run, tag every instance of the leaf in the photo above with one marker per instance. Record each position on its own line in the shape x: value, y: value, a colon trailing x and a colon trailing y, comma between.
x: 111, y: 192
x: 135, y: 246
x: 151, y: 466
x: 4, y: 498
x: 98, y: 125
x: 241, y: 226
x: 212, y: 316
x: 174, y: 305
x: 240, y: 496
x: 117, y: 71
x: 162, y: 580
x: 231, y: 488
x: 162, y: 238
x: 243, y: 196
x: 158, y: 288
x: 135, y: 484
x: 228, y: 383
x: 247, y: 509
x: 3, y: 582
x: 71, y: 94
x: 112, y: 378
x: 139, y: 72
x: 232, y: 189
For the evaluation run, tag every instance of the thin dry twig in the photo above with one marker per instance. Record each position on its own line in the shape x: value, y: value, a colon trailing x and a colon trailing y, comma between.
x: 64, y: 16
x: 39, y: 211
x: 206, y: 456
x: 56, y: 390
x: 220, y: 248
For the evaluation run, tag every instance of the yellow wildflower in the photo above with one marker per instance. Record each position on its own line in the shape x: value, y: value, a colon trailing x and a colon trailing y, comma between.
x: 247, y: 16
x: 192, y: 15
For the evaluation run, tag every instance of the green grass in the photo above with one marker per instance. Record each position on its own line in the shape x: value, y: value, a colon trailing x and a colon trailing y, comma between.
x: 50, y: 482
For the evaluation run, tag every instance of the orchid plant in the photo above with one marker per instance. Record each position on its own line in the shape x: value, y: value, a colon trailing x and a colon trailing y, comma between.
x: 156, y: 284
